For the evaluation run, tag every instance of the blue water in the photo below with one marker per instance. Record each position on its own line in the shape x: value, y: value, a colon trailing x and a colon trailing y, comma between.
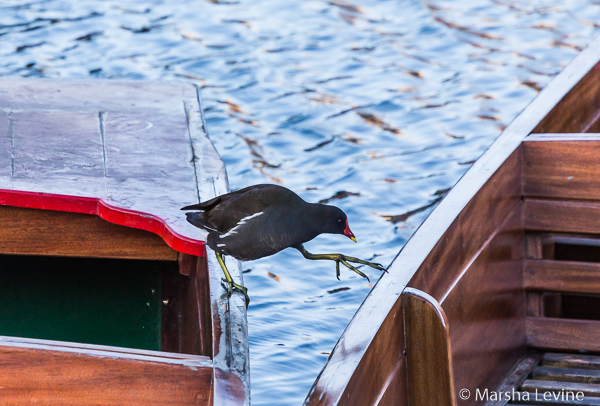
x: 388, y: 102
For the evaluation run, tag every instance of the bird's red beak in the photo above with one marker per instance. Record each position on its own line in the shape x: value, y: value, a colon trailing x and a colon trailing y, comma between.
x: 348, y: 232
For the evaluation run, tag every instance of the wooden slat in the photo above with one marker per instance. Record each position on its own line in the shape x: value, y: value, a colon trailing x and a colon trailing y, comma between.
x: 562, y: 276
x: 46, y: 232
x: 531, y: 398
x: 578, y: 111
x: 515, y: 377
x: 562, y: 169
x: 571, y: 361
x: 429, y: 364
x: 562, y: 216
x: 55, y: 375
x: 566, y: 374
x: 563, y: 334
x: 588, y: 389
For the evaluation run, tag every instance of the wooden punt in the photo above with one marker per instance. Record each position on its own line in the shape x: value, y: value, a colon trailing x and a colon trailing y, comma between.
x: 500, y: 286
x: 107, y: 294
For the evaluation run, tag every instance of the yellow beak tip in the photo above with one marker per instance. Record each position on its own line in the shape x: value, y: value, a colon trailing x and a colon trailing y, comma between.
x: 353, y: 239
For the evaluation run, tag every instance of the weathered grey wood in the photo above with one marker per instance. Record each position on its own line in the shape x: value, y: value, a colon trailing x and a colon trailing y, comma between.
x: 566, y: 374
x: 230, y: 329
x: 516, y: 377
x: 127, y: 144
x: 571, y: 361
x: 588, y: 389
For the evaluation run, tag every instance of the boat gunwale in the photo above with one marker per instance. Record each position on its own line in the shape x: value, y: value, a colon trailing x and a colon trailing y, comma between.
x: 332, y: 382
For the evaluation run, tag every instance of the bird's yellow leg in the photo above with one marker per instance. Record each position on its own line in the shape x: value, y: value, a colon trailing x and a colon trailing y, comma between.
x: 229, y: 280
x: 344, y: 259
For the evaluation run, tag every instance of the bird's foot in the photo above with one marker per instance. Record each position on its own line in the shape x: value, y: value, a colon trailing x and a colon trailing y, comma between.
x: 345, y: 260
x: 231, y: 285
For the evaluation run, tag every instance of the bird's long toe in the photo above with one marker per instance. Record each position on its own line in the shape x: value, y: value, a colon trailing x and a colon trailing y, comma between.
x: 231, y: 285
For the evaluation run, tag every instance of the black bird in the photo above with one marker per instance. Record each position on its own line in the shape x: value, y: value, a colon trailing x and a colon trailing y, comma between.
x: 262, y: 220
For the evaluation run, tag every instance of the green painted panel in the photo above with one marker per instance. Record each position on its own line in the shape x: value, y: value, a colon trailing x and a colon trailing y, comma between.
x: 95, y: 301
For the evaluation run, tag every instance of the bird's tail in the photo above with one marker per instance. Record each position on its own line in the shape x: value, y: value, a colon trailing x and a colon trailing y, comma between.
x: 204, y: 205
x: 197, y: 220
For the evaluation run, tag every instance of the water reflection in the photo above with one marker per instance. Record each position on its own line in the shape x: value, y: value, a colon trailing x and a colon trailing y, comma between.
x: 377, y: 106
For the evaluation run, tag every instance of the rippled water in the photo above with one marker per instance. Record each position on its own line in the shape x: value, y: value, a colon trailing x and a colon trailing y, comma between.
x: 377, y: 106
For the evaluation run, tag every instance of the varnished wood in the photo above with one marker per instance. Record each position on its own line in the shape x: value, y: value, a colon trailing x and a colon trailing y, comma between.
x: 53, y: 373
x: 486, y: 310
x: 562, y: 216
x: 578, y: 111
x: 562, y: 276
x: 428, y: 353
x: 562, y: 169
x: 473, y: 227
x: 46, y: 232
x: 387, y: 375
x: 563, y: 334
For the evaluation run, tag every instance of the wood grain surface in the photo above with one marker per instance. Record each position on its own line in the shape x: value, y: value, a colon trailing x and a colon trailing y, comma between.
x: 486, y: 311
x: 55, y: 233
x: 428, y: 353
x: 562, y: 216
x: 563, y: 334
x: 562, y: 276
x: 47, y: 373
x: 579, y: 110
x: 562, y: 169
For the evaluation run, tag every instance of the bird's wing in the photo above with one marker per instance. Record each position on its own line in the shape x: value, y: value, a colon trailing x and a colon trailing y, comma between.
x: 224, y: 212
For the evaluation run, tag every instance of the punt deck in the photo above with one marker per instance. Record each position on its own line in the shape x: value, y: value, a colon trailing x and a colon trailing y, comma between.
x: 107, y: 294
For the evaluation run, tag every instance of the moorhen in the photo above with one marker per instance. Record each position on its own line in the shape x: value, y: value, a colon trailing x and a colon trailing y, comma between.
x: 262, y: 220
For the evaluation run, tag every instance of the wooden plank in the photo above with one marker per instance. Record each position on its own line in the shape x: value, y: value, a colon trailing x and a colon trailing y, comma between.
x: 571, y: 361
x: 486, y: 308
x: 562, y: 216
x: 563, y: 334
x: 92, y: 376
x: 333, y: 381
x: 578, y: 111
x: 562, y: 169
x: 515, y: 377
x: 428, y: 353
x: 566, y: 374
x: 54, y: 233
x: 588, y: 389
x: 528, y: 398
x: 562, y: 276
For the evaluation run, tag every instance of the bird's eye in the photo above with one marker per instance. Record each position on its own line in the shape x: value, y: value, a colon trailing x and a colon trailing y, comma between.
x: 339, y: 221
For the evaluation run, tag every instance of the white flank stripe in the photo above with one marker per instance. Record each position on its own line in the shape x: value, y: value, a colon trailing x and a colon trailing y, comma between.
x: 220, y: 245
x: 238, y: 225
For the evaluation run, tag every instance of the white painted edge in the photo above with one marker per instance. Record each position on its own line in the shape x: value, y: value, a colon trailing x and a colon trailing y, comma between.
x: 104, y: 351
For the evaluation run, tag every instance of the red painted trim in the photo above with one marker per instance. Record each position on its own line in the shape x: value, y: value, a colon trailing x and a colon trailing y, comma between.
x: 92, y: 205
